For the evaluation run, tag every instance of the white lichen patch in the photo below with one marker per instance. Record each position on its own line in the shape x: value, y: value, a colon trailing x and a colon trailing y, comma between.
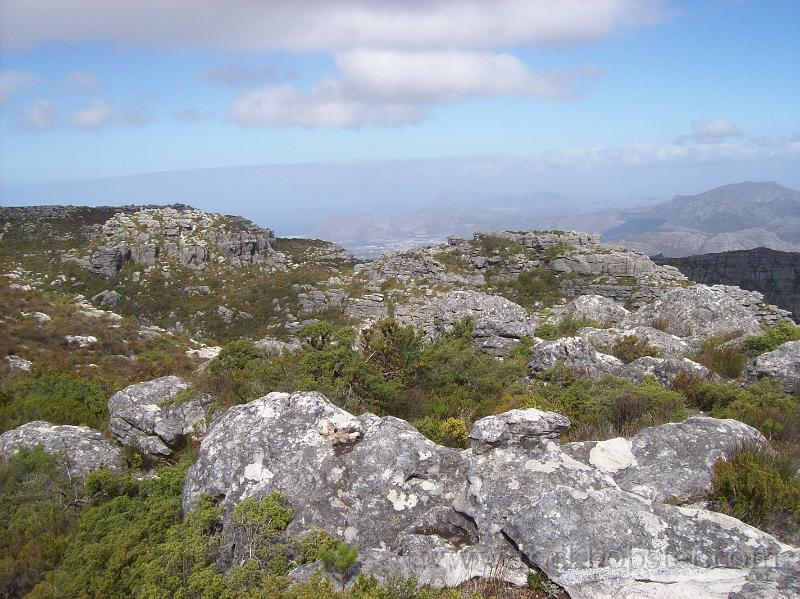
x: 612, y: 455
x: 546, y: 467
x: 401, y: 501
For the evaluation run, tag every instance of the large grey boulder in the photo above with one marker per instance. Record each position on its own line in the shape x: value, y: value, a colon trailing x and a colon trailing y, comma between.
x: 108, y: 260
x: 143, y: 415
x: 595, y: 307
x: 664, y: 370
x: 668, y: 346
x: 699, y: 311
x: 782, y: 364
x: 576, y: 353
x: 669, y: 461
x: 588, y: 516
x: 82, y: 449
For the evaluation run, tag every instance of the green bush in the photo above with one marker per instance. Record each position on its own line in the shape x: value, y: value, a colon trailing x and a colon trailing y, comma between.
x: 39, y: 508
x: 758, y: 486
x: 631, y: 347
x: 532, y: 288
x: 57, y: 397
x: 762, y: 405
x: 772, y: 338
x: 339, y: 556
x: 725, y: 360
x: 237, y: 355
x: 568, y: 326
x: 451, y: 432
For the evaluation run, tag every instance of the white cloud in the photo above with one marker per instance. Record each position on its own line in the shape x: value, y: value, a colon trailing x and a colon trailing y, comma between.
x: 81, y: 81
x: 226, y: 74
x: 321, y: 24
x: 382, y: 87
x: 97, y: 114
x: 12, y: 82
x: 714, y: 129
x: 39, y: 116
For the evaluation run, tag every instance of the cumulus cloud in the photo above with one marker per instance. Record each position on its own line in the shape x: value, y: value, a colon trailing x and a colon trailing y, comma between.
x: 713, y: 131
x: 386, y: 87
x: 321, y: 24
x: 97, y: 114
x: 12, y: 82
x: 41, y: 115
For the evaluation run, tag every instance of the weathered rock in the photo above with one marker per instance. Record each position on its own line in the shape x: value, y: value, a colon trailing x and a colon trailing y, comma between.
x: 82, y: 449
x: 142, y: 415
x: 108, y: 260
x: 668, y: 461
x: 17, y: 365
x: 664, y: 370
x: 107, y: 297
x: 699, y: 311
x: 517, y: 498
x: 576, y: 353
x: 782, y: 364
x: 274, y: 346
x: 595, y: 307
x: 668, y: 346
x: 80, y: 341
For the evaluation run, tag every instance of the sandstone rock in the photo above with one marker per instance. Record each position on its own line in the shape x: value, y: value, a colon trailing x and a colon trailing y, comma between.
x: 17, y: 365
x: 516, y: 498
x: 668, y: 346
x: 664, y: 370
x: 142, y: 415
x: 576, y: 353
x: 108, y: 260
x: 596, y: 307
x: 107, y: 297
x: 83, y: 449
x: 39, y: 317
x: 80, y: 341
x: 668, y: 461
x: 274, y: 346
x: 204, y: 353
x: 699, y: 311
x: 782, y: 364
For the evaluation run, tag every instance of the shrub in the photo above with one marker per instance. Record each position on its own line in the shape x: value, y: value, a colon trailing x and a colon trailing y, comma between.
x: 763, y: 405
x: 568, y: 326
x: 451, y: 432
x: 58, y: 397
x: 237, y: 355
x: 725, y: 360
x: 758, y: 486
x: 631, y: 347
x: 39, y: 508
x: 772, y: 338
x: 532, y: 287
x: 339, y: 556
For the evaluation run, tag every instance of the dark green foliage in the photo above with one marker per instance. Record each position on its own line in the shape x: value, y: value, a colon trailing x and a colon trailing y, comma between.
x: 608, y: 407
x: 451, y: 432
x: 532, y: 288
x: 492, y: 244
x: 237, y: 355
x: 631, y: 347
x: 763, y: 405
x: 760, y: 487
x: 58, y: 397
x: 725, y: 360
x: 39, y: 508
x: 772, y: 338
x: 339, y: 557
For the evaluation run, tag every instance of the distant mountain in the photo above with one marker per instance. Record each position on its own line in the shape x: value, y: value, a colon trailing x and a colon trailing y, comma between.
x: 733, y: 217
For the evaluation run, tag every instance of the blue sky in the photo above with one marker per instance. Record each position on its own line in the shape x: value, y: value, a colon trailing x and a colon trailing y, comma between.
x: 92, y: 89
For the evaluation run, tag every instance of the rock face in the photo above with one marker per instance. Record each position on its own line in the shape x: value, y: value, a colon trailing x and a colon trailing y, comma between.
x: 782, y: 364
x: 142, y: 415
x: 596, y: 307
x: 667, y: 345
x: 192, y: 237
x: 588, y: 514
x: 82, y: 449
x: 701, y: 311
x: 774, y: 273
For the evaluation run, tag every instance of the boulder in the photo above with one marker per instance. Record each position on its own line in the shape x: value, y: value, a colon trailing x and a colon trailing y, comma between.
x: 108, y: 260
x: 143, y: 416
x: 668, y: 346
x: 82, y: 449
x: 576, y: 353
x: 669, y: 461
x: 664, y: 370
x: 590, y: 517
x: 107, y: 297
x: 274, y: 346
x: 17, y: 365
x: 80, y: 341
x: 699, y: 311
x: 782, y: 364
x: 596, y: 307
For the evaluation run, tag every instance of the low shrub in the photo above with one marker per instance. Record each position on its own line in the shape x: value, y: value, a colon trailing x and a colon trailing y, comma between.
x: 772, y: 338
x: 568, y: 326
x: 762, y: 405
x: 725, y: 360
x: 760, y: 487
x: 630, y: 348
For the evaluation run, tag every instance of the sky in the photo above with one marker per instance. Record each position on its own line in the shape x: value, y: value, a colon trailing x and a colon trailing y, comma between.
x: 385, y: 103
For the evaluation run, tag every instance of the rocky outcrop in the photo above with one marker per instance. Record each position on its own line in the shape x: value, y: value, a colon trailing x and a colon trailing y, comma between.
x: 580, y: 355
x: 701, y: 311
x: 192, y: 237
x: 782, y: 364
x: 667, y: 345
x: 81, y: 449
x: 585, y: 515
x: 143, y: 415
x: 771, y: 272
x: 600, y: 309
